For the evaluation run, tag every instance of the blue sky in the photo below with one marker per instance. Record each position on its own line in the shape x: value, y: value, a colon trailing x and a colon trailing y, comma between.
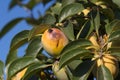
x: 8, y: 15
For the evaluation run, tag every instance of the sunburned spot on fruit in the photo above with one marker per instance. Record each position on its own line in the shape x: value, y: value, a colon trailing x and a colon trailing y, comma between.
x: 54, y: 35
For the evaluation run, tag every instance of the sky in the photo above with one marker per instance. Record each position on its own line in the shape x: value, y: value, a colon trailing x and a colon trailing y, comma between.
x: 7, y: 15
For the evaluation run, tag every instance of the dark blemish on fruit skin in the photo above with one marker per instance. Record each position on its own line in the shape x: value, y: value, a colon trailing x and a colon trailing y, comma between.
x: 50, y: 30
x: 54, y: 35
x: 57, y: 44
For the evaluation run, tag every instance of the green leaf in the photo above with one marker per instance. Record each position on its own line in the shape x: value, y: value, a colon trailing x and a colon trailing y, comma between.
x: 90, y: 23
x: 73, y: 64
x: 33, y: 21
x: 97, y: 22
x: 19, y: 64
x: 115, y: 44
x: 69, y: 73
x: 93, y: 1
x: 71, y: 67
x: 108, y: 12
x: 115, y: 51
x: 34, y: 47
x: 70, y: 10
x: 38, y: 30
x: 83, y: 70
x: 80, y: 70
x: 112, y: 26
x: 67, y: 2
x: 114, y: 35
x: 13, y: 3
x: 73, y: 54
x: 45, y: 1
x: 69, y: 32
x: 9, y: 26
x: 49, y: 19
x: 103, y: 73
x: 34, y: 68
x: 56, y: 8
x: 32, y: 3
x: 118, y: 76
x: 117, y: 2
x: 1, y: 70
x: 11, y: 56
x: 81, y: 30
x: 19, y: 39
x: 76, y: 44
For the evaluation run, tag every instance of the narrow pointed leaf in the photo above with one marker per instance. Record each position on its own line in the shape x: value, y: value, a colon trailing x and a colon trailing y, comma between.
x: 114, y: 25
x: 90, y: 23
x: 115, y: 52
x: 67, y: 2
x: 1, y: 70
x: 56, y: 8
x: 19, y: 65
x: 19, y: 39
x: 34, y: 47
x: 97, y: 22
x: 73, y: 54
x: 114, y: 36
x: 117, y: 2
x: 115, y: 44
x: 68, y: 30
x: 108, y: 12
x: 30, y: 5
x: 76, y: 44
x: 37, y: 30
x: 13, y: 3
x: 12, y: 55
x: 73, y: 64
x: 69, y: 73
x: 86, y: 68
x: 49, y: 19
x: 9, y: 26
x: 113, y: 49
x: 71, y: 67
x: 82, y: 32
x: 103, y: 73
x: 93, y: 1
x: 70, y: 10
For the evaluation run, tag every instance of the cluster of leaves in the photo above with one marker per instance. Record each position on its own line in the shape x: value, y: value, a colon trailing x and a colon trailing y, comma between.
x: 77, y: 19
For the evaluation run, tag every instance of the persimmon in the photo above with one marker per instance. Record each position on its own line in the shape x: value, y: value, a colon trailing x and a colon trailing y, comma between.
x: 53, y: 41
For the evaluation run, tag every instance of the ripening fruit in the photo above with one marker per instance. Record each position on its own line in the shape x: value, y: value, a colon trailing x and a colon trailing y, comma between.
x: 59, y: 73
x: 53, y: 41
x: 19, y: 75
x: 110, y: 62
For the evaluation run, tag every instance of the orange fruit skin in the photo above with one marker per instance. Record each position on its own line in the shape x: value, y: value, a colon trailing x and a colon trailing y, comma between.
x: 53, y: 41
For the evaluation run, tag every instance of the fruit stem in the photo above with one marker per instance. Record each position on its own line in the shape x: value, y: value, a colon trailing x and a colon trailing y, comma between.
x: 102, y: 44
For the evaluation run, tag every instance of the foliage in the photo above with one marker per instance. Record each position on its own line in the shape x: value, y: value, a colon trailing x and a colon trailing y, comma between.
x: 93, y: 30
x: 1, y: 70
